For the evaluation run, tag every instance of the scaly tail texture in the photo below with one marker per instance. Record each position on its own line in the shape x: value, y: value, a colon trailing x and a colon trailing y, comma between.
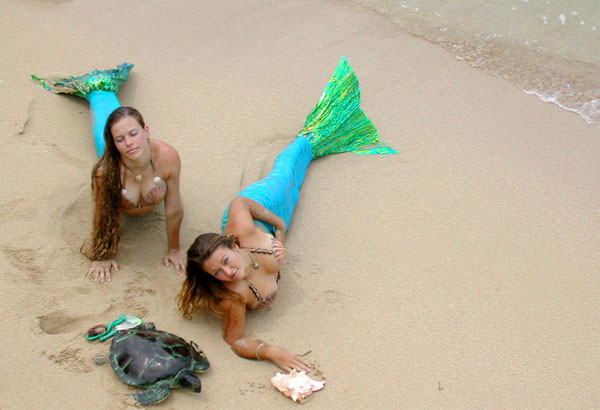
x: 98, y: 87
x: 336, y: 124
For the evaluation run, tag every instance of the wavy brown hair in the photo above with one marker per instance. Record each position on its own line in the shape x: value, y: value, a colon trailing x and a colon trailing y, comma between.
x: 106, y: 175
x: 201, y: 291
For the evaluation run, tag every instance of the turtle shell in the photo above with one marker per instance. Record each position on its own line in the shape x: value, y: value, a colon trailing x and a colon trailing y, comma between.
x: 143, y: 357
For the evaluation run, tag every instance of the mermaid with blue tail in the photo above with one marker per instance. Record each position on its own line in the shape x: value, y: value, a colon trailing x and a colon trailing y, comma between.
x: 133, y: 175
x: 239, y: 270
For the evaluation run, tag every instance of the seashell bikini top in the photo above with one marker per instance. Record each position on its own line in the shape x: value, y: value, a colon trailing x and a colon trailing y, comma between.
x: 278, y: 252
x: 153, y: 197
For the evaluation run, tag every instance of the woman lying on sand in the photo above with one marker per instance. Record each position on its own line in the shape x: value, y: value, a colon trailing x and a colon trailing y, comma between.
x: 229, y: 274
x: 134, y: 175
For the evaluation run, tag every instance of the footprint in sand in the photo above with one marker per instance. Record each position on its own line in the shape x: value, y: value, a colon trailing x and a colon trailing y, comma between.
x: 58, y: 322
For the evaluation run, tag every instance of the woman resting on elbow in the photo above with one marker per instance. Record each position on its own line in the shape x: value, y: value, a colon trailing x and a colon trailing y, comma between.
x: 230, y: 274
x: 238, y: 271
x: 134, y: 175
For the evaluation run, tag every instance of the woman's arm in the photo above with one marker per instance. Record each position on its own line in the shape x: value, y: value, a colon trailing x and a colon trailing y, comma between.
x: 173, y: 210
x: 243, y: 210
x: 234, y: 323
x: 100, y: 269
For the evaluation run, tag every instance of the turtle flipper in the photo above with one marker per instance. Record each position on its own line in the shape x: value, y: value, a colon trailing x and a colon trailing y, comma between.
x: 190, y: 380
x: 153, y: 395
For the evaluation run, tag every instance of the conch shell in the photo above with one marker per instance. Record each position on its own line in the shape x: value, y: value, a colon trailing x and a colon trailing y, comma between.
x: 296, y: 385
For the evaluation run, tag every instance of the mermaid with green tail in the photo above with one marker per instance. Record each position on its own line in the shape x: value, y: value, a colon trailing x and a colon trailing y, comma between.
x: 98, y: 87
x: 134, y: 174
x: 239, y: 271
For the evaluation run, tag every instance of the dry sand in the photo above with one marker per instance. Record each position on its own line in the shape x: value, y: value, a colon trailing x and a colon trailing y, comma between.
x: 460, y: 274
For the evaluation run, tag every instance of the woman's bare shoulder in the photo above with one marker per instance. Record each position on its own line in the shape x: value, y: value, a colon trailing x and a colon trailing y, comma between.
x: 166, y: 158
x: 164, y: 151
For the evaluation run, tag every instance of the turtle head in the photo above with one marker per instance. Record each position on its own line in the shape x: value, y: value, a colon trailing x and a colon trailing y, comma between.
x: 201, y: 363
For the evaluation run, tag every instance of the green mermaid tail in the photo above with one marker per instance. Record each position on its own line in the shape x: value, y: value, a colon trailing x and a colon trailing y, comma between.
x: 98, y: 87
x: 337, y: 124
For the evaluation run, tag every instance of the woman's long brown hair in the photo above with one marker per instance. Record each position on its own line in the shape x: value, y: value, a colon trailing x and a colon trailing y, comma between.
x: 106, y: 176
x: 201, y: 291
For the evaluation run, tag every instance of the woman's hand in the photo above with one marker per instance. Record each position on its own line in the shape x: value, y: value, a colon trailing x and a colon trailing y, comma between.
x: 177, y: 258
x: 100, y: 270
x: 284, y: 359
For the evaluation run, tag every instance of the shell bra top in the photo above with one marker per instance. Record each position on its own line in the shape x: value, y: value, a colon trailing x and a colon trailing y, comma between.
x: 153, y: 197
x: 278, y: 252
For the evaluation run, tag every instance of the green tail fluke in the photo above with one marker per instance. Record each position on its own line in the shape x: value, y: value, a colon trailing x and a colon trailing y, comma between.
x: 84, y: 85
x: 337, y: 124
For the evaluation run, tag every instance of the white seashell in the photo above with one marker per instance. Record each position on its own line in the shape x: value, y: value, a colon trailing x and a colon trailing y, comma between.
x: 296, y: 385
x: 156, y: 180
x: 138, y: 177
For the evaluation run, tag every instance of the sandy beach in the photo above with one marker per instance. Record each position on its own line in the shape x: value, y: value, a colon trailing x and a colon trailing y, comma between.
x: 462, y: 273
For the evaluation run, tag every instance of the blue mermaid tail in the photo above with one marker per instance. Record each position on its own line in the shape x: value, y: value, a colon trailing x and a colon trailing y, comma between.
x: 335, y: 125
x: 98, y: 87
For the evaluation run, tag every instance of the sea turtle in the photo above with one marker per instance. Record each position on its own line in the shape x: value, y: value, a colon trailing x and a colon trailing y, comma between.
x: 157, y: 360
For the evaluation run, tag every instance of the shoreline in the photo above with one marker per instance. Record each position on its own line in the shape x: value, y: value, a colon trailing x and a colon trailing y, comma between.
x: 569, y: 81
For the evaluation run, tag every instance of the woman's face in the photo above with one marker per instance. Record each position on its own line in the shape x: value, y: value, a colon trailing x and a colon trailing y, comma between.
x: 227, y: 265
x: 131, y: 139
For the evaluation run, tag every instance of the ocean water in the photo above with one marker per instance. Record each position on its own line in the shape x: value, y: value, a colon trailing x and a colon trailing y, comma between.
x: 550, y: 48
